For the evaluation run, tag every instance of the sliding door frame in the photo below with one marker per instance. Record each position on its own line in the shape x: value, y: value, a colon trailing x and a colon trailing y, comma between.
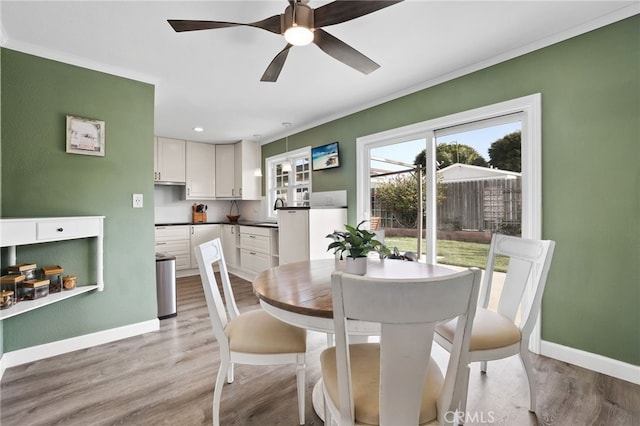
x: 529, y: 106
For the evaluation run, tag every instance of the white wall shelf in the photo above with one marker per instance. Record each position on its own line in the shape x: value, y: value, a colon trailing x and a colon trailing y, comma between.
x: 16, y: 232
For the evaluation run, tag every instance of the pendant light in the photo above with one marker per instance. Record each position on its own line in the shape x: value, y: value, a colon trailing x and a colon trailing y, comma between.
x: 286, y: 164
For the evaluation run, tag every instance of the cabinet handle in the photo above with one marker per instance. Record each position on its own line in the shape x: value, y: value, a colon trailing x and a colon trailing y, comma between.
x: 240, y: 192
x: 60, y: 229
x: 160, y: 243
x: 252, y: 236
x: 252, y: 253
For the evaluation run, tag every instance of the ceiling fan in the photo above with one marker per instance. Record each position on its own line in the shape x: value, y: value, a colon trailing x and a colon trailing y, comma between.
x: 300, y: 26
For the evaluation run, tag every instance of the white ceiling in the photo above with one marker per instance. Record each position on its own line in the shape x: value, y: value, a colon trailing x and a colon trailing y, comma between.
x: 212, y: 78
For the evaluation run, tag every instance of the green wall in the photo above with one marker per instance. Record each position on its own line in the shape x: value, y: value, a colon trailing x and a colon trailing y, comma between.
x: 40, y: 179
x: 590, y: 89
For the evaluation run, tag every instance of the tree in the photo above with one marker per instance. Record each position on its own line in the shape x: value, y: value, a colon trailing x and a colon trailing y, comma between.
x: 448, y: 154
x: 505, y: 153
x: 400, y: 196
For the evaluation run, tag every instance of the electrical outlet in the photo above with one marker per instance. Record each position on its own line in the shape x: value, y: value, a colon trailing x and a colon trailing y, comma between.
x: 137, y: 201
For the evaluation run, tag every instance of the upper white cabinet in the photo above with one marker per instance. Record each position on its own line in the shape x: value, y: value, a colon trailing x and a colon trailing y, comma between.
x: 247, y: 186
x: 200, y: 171
x: 169, y: 160
x: 225, y: 171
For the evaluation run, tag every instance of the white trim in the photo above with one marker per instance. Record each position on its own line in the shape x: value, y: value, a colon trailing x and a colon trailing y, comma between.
x: 35, y: 353
x: 598, y: 363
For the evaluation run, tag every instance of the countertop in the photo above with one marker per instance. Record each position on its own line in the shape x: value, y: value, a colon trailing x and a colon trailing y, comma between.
x: 245, y: 223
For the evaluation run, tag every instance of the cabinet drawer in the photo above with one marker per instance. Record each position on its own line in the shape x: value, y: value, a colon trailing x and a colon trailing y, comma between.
x: 254, y: 230
x: 165, y: 233
x: 254, y: 242
x: 183, y: 261
x: 254, y: 261
x: 173, y: 248
x: 66, y: 229
x: 14, y: 233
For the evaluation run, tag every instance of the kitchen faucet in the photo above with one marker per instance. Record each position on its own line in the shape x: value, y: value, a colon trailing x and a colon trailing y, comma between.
x: 282, y: 202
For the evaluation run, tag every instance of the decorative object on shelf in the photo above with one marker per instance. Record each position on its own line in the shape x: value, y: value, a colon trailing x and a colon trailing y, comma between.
x: 233, y: 218
x: 358, y: 243
x: 53, y: 273
x: 199, y: 212
x: 69, y: 282
x: 85, y: 136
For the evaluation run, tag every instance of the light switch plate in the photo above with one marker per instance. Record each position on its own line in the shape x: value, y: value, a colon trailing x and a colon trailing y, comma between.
x: 137, y: 201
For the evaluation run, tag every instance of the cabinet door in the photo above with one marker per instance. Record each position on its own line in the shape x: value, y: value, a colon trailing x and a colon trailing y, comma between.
x: 248, y: 185
x: 225, y: 170
x: 293, y: 233
x: 201, y: 234
x: 170, y: 160
x: 200, y: 171
x: 230, y: 244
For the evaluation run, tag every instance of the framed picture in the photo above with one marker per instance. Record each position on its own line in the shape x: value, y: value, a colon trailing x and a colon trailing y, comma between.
x: 325, y: 156
x: 85, y: 136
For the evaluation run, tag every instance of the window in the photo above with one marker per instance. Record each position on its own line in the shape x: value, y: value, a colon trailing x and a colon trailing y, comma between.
x: 291, y: 186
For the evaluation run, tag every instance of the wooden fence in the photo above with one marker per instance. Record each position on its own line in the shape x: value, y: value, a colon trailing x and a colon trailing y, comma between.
x: 490, y: 205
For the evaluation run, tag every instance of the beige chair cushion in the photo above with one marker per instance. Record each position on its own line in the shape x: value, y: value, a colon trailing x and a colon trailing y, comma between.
x: 490, y: 330
x: 258, y: 332
x: 365, y: 372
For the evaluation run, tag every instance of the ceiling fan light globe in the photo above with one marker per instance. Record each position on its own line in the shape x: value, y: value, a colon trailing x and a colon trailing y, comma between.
x: 298, y: 35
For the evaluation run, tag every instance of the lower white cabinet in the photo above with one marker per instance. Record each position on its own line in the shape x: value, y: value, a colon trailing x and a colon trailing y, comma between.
x: 258, y: 248
x: 174, y: 241
x: 231, y: 244
x: 201, y: 234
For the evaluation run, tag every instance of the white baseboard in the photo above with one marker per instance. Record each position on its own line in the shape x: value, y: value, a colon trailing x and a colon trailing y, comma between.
x: 35, y: 353
x: 610, y: 367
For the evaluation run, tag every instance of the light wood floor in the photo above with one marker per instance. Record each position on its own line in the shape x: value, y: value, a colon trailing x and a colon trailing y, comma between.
x: 167, y: 377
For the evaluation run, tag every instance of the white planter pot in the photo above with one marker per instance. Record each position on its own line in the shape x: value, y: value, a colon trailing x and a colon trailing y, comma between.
x: 356, y: 266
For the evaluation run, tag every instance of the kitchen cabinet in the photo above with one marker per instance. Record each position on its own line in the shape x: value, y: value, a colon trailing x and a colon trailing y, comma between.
x: 258, y: 248
x: 247, y: 186
x: 236, y: 166
x: 225, y: 171
x: 201, y: 234
x: 23, y: 231
x: 174, y: 241
x: 169, y: 160
x: 200, y: 171
x: 302, y: 232
x: 231, y: 244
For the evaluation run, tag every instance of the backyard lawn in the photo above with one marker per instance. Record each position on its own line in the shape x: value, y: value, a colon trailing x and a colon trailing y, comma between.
x: 450, y: 252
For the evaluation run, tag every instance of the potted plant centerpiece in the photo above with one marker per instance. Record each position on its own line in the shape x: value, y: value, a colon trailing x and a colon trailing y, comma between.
x: 358, y: 243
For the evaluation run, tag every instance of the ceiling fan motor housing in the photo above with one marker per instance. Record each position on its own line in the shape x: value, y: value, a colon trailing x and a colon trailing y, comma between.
x: 301, y: 16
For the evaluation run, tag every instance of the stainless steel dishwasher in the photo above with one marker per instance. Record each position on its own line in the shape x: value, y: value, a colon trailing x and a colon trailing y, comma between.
x: 166, y: 286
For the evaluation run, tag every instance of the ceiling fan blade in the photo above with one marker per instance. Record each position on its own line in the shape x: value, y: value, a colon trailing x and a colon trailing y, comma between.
x: 273, y: 70
x: 271, y: 24
x: 343, y: 52
x: 342, y: 11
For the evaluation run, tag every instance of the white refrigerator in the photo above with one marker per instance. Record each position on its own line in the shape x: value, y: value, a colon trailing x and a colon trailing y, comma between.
x: 302, y: 232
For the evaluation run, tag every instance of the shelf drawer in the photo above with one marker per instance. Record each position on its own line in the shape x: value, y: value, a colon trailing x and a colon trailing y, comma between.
x: 254, y: 261
x: 66, y: 229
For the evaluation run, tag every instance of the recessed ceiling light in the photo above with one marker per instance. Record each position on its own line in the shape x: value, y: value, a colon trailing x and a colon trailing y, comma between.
x: 198, y: 129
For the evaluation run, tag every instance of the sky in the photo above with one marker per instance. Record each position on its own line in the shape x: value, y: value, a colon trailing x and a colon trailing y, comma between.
x: 480, y: 140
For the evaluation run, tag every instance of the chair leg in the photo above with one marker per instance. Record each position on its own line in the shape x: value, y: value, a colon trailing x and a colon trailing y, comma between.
x: 300, y: 379
x: 528, y: 370
x: 217, y: 390
x: 483, y: 367
x: 230, y: 373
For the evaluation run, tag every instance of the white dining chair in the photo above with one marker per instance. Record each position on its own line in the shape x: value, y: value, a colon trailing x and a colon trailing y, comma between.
x: 498, y: 334
x: 252, y: 337
x: 395, y: 382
